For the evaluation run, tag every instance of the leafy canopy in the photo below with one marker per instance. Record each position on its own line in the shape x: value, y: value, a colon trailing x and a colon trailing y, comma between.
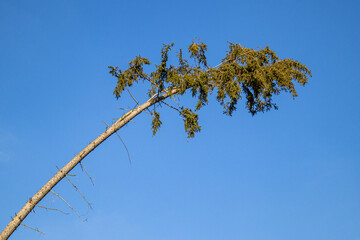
x: 256, y: 75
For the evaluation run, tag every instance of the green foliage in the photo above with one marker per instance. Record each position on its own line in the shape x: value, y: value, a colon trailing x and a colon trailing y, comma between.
x: 197, y: 52
x: 134, y: 73
x: 156, y: 122
x: 255, y: 75
x: 191, y: 122
x: 160, y: 76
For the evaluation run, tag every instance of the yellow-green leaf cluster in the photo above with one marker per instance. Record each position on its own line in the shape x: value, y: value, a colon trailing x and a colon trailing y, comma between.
x: 191, y: 122
x: 156, y: 122
x: 244, y: 73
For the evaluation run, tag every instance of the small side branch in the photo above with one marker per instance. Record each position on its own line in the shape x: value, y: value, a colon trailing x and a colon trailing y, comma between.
x: 132, y: 96
x: 122, y: 143
x: 68, y: 205
x: 171, y: 106
x: 77, y: 189
x: 29, y: 205
x: 35, y: 229
x: 53, y: 209
x: 84, y: 169
x: 173, y: 98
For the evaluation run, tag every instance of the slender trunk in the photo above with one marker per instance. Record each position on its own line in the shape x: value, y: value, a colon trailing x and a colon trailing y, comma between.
x: 33, y: 201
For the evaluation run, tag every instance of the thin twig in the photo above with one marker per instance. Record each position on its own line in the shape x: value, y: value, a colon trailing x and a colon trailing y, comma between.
x: 35, y: 229
x: 122, y: 143
x: 172, y: 97
x: 171, y: 106
x: 54, y: 209
x: 125, y: 109
x: 84, y: 169
x: 219, y: 64
x: 132, y: 96
x: 68, y: 205
x: 77, y: 189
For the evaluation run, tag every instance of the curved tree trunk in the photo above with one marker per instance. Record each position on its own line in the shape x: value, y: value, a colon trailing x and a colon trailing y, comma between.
x: 33, y: 201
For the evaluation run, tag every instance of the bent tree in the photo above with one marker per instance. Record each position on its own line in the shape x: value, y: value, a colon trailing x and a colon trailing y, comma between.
x: 244, y: 73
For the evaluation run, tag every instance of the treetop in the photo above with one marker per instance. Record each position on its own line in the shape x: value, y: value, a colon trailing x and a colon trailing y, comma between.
x: 256, y: 75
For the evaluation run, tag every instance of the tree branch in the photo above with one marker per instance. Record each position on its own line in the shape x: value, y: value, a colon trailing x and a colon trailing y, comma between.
x: 123, y: 144
x: 171, y: 106
x: 32, y: 202
x: 54, y: 209
x: 67, y: 204
x: 84, y: 169
x: 77, y: 189
x: 132, y: 96
x: 35, y: 229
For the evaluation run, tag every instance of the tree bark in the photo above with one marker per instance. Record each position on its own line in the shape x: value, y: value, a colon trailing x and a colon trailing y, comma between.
x: 33, y: 201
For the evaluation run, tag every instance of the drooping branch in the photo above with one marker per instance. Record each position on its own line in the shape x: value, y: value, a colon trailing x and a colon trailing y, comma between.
x: 122, y: 141
x: 33, y: 201
x: 77, y: 189
x: 67, y: 204
x: 84, y: 169
x: 35, y: 229
x: 53, y: 209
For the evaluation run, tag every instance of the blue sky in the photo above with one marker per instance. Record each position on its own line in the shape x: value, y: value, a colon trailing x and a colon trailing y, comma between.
x: 287, y: 174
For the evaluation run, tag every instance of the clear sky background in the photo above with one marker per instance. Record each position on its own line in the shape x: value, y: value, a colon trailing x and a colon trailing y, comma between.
x: 287, y: 174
